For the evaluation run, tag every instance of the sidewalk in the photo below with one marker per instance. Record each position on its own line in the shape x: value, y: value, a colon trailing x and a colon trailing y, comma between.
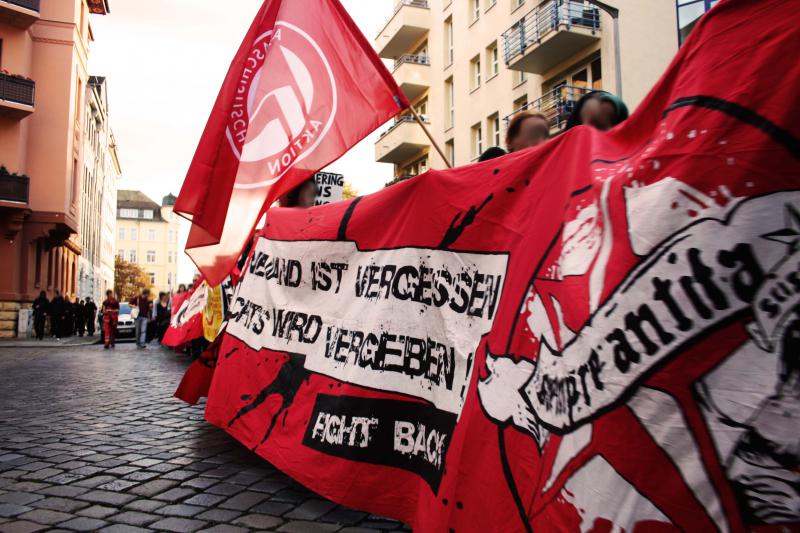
x: 49, y: 342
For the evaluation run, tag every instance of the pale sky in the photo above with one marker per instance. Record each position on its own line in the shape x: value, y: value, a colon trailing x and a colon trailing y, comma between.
x: 164, y: 61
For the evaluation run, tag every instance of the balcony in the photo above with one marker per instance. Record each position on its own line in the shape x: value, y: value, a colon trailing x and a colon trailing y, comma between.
x: 13, y: 187
x: 412, y: 73
x: 557, y: 105
x: 550, y: 34
x: 410, y: 21
x: 16, y: 96
x: 403, y: 140
x: 19, y: 13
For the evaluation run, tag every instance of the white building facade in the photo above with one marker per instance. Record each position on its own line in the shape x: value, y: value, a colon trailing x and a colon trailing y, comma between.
x: 101, y: 170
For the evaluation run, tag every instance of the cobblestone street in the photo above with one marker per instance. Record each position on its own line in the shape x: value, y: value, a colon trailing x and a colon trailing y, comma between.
x: 92, y: 440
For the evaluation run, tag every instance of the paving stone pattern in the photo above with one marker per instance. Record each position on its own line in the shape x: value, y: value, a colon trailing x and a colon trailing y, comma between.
x: 92, y: 440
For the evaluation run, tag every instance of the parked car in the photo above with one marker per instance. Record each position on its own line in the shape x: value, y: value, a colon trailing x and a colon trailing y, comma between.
x: 125, y: 325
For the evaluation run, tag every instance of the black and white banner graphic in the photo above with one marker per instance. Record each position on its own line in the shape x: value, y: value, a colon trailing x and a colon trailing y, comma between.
x: 705, y: 274
x: 408, y: 435
x: 356, y: 315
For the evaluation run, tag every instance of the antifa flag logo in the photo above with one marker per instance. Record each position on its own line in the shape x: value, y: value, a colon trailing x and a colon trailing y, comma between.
x: 664, y: 351
x: 278, y: 117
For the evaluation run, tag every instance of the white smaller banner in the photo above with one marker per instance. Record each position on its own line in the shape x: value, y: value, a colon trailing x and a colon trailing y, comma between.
x: 329, y: 187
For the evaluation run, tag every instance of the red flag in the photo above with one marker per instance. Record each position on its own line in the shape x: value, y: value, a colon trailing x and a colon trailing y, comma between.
x: 186, y: 323
x: 304, y: 87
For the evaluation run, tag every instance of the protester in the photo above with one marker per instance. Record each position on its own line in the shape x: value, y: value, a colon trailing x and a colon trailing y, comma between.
x: 181, y: 288
x: 491, y: 153
x: 527, y: 130
x: 90, y: 312
x: 80, y: 317
x: 303, y: 195
x: 110, y: 313
x: 57, y: 309
x: 144, y: 305
x: 40, y: 309
x: 68, y: 323
x: 163, y: 315
x: 599, y: 109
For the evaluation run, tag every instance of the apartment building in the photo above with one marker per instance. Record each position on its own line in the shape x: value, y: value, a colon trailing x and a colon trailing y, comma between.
x: 469, y: 65
x: 44, y: 48
x: 147, y: 234
x: 101, y: 170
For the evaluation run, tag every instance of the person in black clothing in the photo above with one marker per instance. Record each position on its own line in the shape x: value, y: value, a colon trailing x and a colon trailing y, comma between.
x: 90, y: 315
x: 68, y: 325
x: 163, y: 314
x: 40, y: 309
x: 80, y: 317
x: 57, y: 309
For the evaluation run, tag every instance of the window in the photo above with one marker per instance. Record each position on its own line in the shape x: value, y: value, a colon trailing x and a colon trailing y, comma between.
x: 169, y: 257
x: 520, y: 77
x: 169, y: 279
x: 122, y: 234
x: 450, y: 151
x: 151, y: 256
x: 475, y: 71
x: 597, y: 75
x: 151, y: 235
x: 128, y: 213
x: 581, y: 78
x: 493, y: 59
x: 490, y: 4
x: 586, y: 75
x: 171, y: 236
x: 477, y: 141
x: 133, y: 234
x: 493, y: 127
x: 147, y: 213
x: 475, y: 12
x: 133, y: 256
x: 689, y: 12
x: 152, y: 276
x: 448, y: 41
x: 450, y: 108
x: 121, y: 255
x: 516, y: 3
x: 521, y: 103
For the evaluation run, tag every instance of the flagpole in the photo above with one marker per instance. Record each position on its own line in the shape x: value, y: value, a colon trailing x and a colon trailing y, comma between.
x: 433, y: 142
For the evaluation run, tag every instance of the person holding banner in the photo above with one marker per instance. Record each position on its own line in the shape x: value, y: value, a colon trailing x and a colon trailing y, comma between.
x: 527, y: 130
x: 301, y: 196
x: 599, y: 109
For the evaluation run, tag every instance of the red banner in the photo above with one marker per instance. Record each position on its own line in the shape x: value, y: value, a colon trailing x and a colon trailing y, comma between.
x: 304, y: 87
x: 600, y: 333
x: 186, y: 321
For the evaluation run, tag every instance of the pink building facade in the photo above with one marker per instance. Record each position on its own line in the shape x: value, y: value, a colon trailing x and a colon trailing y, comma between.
x: 44, y: 50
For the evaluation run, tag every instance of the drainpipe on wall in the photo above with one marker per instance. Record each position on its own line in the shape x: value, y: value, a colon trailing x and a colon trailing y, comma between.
x: 614, y: 12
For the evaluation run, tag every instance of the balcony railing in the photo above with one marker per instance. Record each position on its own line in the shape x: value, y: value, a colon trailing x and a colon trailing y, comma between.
x: 548, y: 17
x: 401, y: 4
x: 14, y: 89
x: 14, y: 188
x: 416, y: 59
x: 402, y: 120
x: 557, y: 105
x: 33, y: 5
